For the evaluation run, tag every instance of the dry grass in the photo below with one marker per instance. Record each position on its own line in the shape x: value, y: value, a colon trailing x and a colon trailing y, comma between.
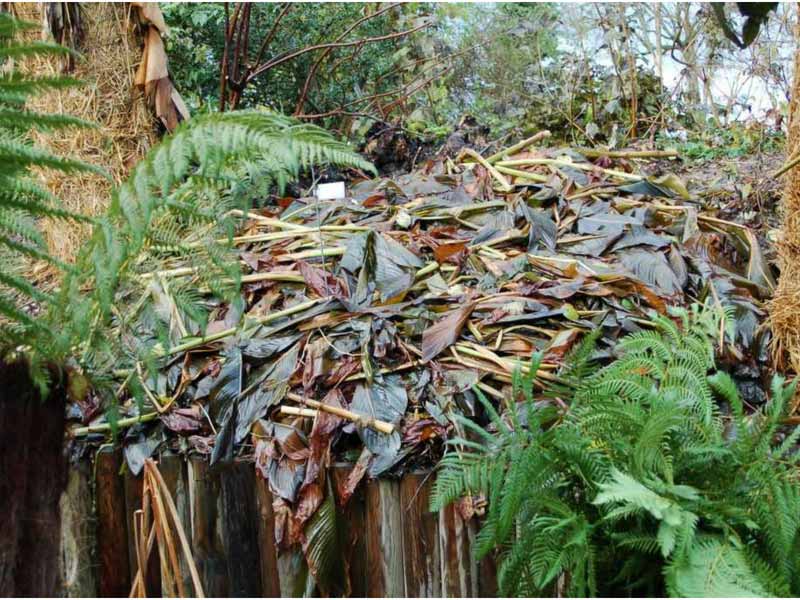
x: 785, y: 306
x: 109, y: 57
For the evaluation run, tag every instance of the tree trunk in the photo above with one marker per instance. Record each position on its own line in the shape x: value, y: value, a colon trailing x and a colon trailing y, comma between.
x: 659, y: 53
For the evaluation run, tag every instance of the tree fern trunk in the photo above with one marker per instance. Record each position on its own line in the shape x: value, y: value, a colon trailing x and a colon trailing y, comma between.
x: 33, y: 471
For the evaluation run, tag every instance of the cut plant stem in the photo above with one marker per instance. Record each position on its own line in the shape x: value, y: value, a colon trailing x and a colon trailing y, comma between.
x: 569, y: 164
x: 316, y: 253
x: 790, y: 164
x: 298, y: 412
x: 220, y: 335
x: 509, y: 366
x: 277, y: 223
x: 361, y: 375
x: 522, y: 174
x: 377, y: 425
x: 598, y: 152
x: 519, y: 146
x: 486, y: 388
x: 103, y: 427
x: 504, y: 184
x: 283, y: 235
x: 429, y: 268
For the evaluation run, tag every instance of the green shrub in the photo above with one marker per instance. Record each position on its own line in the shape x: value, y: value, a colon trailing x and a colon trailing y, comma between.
x: 733, y: 141
x: 645, y: 485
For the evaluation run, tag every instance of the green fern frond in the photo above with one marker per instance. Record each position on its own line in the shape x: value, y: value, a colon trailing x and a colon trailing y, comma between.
x: 713, y: 567
x: 21, y: 200
x: 640, y: 477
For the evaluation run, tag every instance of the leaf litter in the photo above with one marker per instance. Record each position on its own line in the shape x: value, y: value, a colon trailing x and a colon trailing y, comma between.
x: 364, y: 324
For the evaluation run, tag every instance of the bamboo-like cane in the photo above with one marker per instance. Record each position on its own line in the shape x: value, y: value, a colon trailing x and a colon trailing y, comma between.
x: 299, y: 412
x: 376, y: 424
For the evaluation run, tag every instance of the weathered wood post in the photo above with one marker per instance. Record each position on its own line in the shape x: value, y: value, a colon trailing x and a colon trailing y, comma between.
x: 354, y: 518
x: 204, y: 503
x: 78, y: 540
x: 114, y: 577
x: 270, y: 581
x: 240, y: 529
x: 384, y: 532
x: 420, y: 537
x: 173, y: 469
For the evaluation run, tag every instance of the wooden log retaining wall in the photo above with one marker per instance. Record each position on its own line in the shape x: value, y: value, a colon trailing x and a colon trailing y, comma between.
x: 394, y: 546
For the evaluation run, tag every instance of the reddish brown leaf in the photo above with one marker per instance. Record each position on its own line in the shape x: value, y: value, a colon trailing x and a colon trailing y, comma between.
x: 308, y: 501
x: 453, y: 252
x: 374, y: 200
x: 561, y: 343
x: 343, y: 368
x: 262, y: 458
x: 324, y: 425
x: 314, y: 361
x: 201, y: 444
x: 323, y: 283
x: 444, y: 332
x: 355, y: 476
x: 423, y: 430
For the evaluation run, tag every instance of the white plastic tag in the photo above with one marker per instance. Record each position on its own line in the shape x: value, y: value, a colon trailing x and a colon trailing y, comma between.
x: 331, y: 191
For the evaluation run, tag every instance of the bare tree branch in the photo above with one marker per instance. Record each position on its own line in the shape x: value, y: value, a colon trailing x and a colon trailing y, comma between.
x: 271, y: 64
x: 313, y: 70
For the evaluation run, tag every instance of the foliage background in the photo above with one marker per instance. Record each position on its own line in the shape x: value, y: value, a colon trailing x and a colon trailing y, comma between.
x: 588, y: 72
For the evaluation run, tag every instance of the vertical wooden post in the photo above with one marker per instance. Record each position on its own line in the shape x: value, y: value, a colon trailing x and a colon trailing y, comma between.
x: 133, y: 502
x: 458, y: 571
x: 209, y: 553
x: 240, y: 529
x: 420, y: 537
x: 173, y: 470
x: 114, y: 578
x: 270, y: 582
x: 353, y: 519
x: 384, y: 540
x: 78, y: 534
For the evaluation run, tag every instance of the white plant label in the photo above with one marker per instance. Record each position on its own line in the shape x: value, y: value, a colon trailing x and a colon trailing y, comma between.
x: 331, y: 191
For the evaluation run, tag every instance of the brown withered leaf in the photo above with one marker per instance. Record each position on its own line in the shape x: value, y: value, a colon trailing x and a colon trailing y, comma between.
x: 444, y: 332
x: 325, y: 424
x: 183, y: 420
x: 312, y: 492
x: 348, y: 488
x: 323, y: 284
x: 423, y: 430
x: 201, y: 444
x: 344, y: 367
x: 453, y: 252
x: 561, y: 343
x: 314, y: 361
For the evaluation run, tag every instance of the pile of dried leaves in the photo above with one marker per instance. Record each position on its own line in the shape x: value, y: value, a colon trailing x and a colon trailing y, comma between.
x: 386, y: 310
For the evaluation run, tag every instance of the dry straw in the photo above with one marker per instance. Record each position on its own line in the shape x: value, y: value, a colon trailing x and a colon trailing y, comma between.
x: 785, y: 306
x: 109, y: 56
